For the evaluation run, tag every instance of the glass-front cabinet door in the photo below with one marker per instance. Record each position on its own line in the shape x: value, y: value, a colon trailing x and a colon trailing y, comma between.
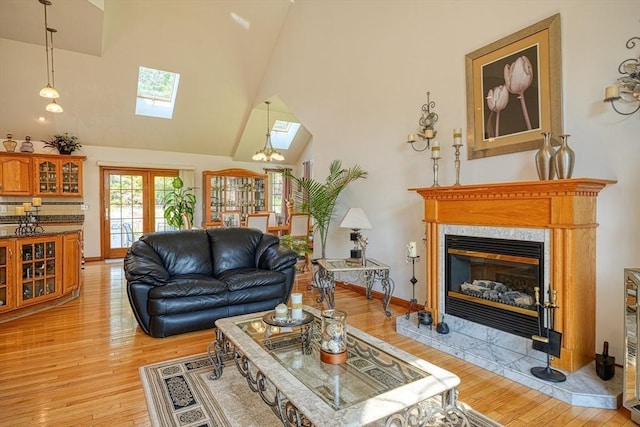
x: 71, y: 177
x: 236, y: 191
x: 38, y: 277
x: 46, y: 177
x: 631, y: 383
x: 7, y: 299
x: 58, y: 176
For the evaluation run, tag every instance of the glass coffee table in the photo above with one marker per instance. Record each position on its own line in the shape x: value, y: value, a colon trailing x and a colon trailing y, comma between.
x: 379, y: 384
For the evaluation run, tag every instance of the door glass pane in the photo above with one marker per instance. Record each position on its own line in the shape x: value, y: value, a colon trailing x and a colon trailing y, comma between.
x: 162, y: 185
x: 125, y: 209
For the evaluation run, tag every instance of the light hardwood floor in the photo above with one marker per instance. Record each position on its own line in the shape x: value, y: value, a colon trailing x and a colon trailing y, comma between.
x: 77, y: 364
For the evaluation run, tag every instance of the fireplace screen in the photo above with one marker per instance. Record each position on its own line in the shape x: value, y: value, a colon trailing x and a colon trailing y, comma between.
x: 492, y: 281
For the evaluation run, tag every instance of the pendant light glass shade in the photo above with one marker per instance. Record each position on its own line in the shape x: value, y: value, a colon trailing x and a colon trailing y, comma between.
x: 54, y: 107
x: 49, y: 92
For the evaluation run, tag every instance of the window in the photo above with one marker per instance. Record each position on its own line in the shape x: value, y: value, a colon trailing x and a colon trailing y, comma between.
x: 157, y: 92
x: 279, y: 191
x: 282, y: 134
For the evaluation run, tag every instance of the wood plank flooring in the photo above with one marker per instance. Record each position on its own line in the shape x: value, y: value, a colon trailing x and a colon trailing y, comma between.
x: 77, y: 364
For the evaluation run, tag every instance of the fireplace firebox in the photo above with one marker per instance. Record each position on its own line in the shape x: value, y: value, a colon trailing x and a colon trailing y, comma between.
x: 492, y: 282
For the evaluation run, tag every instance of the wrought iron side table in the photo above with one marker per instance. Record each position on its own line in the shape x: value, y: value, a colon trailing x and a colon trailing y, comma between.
x: 324, y: 278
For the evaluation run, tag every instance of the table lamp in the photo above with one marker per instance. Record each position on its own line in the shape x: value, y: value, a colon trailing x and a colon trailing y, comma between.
x: 356, y: 220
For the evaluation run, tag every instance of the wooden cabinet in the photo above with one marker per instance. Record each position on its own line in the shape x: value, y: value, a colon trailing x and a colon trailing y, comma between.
x: 57, y: 176
x: 7, y: 280
x: 37, y: 272
x: 15, y: 175
x: 71, y: 264
x: 39, y: 269
x: 232, y: 191
x: 24, y: 174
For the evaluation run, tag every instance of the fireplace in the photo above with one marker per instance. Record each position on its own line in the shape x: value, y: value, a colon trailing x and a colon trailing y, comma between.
x: 564, y: 208
x: 492, y: 282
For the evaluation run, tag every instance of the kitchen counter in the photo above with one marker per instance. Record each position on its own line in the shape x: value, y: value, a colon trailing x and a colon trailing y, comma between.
x: 8, y: 231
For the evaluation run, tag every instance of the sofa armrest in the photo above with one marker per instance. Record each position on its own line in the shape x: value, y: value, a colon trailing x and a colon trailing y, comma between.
x: 277, y: 258
x: 143, y: 264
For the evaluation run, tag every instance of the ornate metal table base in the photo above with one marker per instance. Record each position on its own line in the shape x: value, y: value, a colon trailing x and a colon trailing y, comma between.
x: 445, y: 412
x: 324, y: 278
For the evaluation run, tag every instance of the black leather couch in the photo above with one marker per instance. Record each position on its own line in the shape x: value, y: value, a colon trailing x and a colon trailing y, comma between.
x: 182, y: 281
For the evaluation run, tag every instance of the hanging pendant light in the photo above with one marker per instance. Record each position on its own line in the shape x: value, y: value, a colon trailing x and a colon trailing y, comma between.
x: 268, y: 154
x: 53, y: 106
x: 48, y: 91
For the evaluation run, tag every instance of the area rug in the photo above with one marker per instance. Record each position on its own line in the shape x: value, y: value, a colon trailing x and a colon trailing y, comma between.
x: 179, y: 393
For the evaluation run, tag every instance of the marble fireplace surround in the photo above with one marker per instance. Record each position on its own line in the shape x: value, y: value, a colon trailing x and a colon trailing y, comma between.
x: 560, y: 213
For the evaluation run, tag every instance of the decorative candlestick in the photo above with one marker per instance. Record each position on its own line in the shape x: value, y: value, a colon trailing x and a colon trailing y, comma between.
x: 435, y: 155
x: 435, y: 171
x: 457, y: 143
x: 413, y: 302
x: 457, y: 163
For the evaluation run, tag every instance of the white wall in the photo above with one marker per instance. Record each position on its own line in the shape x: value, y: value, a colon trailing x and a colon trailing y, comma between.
x: 356, y: 74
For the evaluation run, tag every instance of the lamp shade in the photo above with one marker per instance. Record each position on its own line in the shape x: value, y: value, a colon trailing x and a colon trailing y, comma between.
x: 355, y: 219
x: 54, y: 107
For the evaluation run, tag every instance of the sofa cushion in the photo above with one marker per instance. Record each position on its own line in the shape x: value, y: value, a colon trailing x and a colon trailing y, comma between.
x: 233, y: 248
x: 191, y: 304
x: 188, y: 285
x: 246, y: 278
x: 182, y: 252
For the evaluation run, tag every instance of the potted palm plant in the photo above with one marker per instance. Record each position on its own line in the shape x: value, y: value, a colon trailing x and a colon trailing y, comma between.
x: 319, y: 199
x: 179, y: 205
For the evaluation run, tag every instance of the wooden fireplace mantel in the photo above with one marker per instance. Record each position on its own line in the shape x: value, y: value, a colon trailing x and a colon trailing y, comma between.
x: 567, y: 207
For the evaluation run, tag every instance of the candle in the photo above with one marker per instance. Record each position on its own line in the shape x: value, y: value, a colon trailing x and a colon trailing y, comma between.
x: 19, y: 210
x: 612, y: 92
x: 281, y: 312
x: 36, y: 201
x: 457, y: 137
x: 296, y: 306
x: 428, y: 133
x: 411, y: 137
x: 413, y: 249
x: 26, y: 206
x: 435, y: 150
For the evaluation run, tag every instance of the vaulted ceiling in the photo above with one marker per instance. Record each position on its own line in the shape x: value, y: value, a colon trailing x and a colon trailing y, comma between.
x: 220, y: 48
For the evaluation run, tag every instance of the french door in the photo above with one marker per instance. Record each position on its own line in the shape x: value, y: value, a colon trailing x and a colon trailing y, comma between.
x: 131, y: 206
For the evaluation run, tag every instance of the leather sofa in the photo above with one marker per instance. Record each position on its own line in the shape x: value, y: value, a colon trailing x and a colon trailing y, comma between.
x: 182, y: 281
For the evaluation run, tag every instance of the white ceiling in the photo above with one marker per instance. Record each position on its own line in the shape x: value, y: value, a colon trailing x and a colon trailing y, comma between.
x: 221, y: 48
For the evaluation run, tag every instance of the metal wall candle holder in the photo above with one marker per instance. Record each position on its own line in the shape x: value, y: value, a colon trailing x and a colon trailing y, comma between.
x: 426, y: 131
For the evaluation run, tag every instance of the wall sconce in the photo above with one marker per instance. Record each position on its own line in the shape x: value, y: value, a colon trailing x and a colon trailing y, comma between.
x: 627, y: 87
x: 426, y: 131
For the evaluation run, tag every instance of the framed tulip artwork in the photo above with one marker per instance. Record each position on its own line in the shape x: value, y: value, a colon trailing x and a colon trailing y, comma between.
x: 514, y: 91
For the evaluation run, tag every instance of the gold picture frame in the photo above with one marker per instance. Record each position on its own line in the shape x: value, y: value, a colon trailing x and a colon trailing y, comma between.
x: 514, y: 91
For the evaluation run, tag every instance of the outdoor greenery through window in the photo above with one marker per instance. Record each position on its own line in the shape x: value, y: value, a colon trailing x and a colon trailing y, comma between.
x: 279, y: 191
x: 157, y: 91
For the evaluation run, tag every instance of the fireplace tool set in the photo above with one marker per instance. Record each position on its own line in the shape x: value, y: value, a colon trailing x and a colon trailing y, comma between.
x: 548, y: 340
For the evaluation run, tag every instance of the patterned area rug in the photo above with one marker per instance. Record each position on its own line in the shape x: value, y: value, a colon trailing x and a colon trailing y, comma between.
x: 179, y: 393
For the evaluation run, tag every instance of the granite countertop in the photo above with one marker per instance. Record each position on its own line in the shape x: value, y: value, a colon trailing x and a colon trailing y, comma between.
x: 8, y: 231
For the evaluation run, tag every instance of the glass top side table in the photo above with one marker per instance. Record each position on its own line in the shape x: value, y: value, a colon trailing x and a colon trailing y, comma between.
x: 352, y: 272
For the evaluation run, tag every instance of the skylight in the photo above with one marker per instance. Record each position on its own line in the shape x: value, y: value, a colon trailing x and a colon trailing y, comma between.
x: 282, y: 134
x: 157, y: 91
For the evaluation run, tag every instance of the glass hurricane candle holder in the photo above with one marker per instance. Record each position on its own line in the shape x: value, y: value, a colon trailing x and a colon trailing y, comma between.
x: 333, y: 338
